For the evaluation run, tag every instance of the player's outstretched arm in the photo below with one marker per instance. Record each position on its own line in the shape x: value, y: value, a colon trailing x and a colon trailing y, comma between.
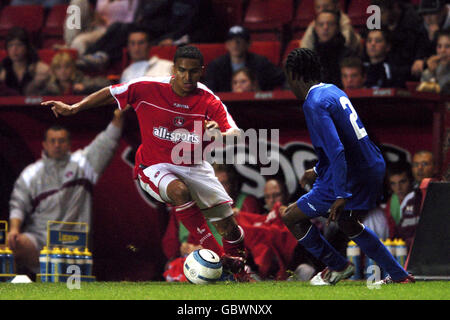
x: 212, y: 127
x: 96, y: 99
x: 232, y: 132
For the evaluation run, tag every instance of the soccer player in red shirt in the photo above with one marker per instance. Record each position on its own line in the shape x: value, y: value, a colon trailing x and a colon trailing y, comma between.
x: 173, y: 114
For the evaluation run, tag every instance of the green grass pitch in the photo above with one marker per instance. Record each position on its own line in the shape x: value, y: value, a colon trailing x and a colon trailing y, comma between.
x: 267, y: 290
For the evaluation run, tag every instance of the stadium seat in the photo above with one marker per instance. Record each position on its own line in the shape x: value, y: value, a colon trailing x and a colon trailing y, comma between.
x: 343, y: 5
x: 3, y: 54
x: 227, y: 14
x: 55, y: 21
x: 412, y: 85
x: 52, y: 32
x: 267, y: 19
x: 164, y: 52
x: 295, y: 43
x: 357, y: 12
x: 29, y: 17
x: 211, y: 51
x: 270, y: 49
x: 46, y: 55
x: 303, y: 15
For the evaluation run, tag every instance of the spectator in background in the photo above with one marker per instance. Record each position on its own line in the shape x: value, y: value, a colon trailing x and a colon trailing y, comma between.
x: 275, y: 191
x: 219, y: 71
x: 276, y: 198
x: 329, y: 44
x: 376, y: 220
x: 436, y: 17
x: 352, y: 38
x: 423, y: 166
x: 95, y: 24
x: 186, y: 22
x: 22, y: 64
x: 410, y: 44
x: 141, y: 65
x: 65, y: 79
x: 403, y: 207
x: 228, y: 177
x: 400, y: 183
x: 353, y: 74
x: 175, y: 22
x: 381, y: 72
x: 244, y: 80
x: 436, y: 78
x: 57, y: 187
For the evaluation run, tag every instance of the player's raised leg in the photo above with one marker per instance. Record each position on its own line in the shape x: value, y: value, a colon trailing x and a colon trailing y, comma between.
x: 309, y: 236
x: 369, y: 243
x: 188, y: 213
x: 166, y: 187
x: 233, y: 242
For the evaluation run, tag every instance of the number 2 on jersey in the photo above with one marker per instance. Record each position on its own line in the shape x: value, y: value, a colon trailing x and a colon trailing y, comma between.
x: 360, y: 132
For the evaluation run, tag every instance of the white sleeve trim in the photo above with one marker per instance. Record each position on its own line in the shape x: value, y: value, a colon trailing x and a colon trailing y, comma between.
x: 111, y: 90
x: 16, y: 214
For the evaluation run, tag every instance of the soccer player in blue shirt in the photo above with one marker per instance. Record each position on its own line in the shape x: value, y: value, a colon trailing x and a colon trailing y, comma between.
x: 347, y: 180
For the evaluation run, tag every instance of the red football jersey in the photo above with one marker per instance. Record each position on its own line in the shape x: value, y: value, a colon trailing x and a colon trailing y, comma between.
x: 171, y: 126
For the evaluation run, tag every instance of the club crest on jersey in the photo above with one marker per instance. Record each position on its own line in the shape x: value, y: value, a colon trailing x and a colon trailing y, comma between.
x: 178, y: 121
x: 179, y: 135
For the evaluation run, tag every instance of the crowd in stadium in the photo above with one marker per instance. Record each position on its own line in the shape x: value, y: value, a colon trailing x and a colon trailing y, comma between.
x: 105, y: 42
x: 106, y: 37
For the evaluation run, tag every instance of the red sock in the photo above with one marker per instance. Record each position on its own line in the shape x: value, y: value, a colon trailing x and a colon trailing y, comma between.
x: 236, y: 247
x: 192, y: 218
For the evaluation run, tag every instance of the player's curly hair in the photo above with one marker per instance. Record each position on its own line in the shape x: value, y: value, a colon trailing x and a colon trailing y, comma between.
x: 304, y: 63
x: 189, y: 52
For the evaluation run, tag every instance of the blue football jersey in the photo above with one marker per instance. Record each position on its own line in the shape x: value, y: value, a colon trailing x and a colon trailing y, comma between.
x: 350, y: 165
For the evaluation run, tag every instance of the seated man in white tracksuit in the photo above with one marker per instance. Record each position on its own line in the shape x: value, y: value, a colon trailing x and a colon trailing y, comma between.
x: 57, y: 187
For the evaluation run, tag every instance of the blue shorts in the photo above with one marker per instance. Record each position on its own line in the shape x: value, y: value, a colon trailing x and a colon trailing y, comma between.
x: 318, y: 201
x: 315, y: 203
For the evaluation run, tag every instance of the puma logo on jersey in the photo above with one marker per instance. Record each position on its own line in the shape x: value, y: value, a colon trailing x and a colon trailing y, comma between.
x: 179, y: 105
x: 176, y: 136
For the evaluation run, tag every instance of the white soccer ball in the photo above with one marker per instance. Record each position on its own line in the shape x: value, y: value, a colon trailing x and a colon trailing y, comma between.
x: 202, y: 267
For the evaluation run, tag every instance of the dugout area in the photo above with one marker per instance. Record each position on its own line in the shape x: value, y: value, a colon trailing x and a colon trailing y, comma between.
x: 429, y: 258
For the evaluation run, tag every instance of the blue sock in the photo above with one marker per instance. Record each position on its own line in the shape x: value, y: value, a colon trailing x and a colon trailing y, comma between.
x: 320, y: 248
x: 369, y: 243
